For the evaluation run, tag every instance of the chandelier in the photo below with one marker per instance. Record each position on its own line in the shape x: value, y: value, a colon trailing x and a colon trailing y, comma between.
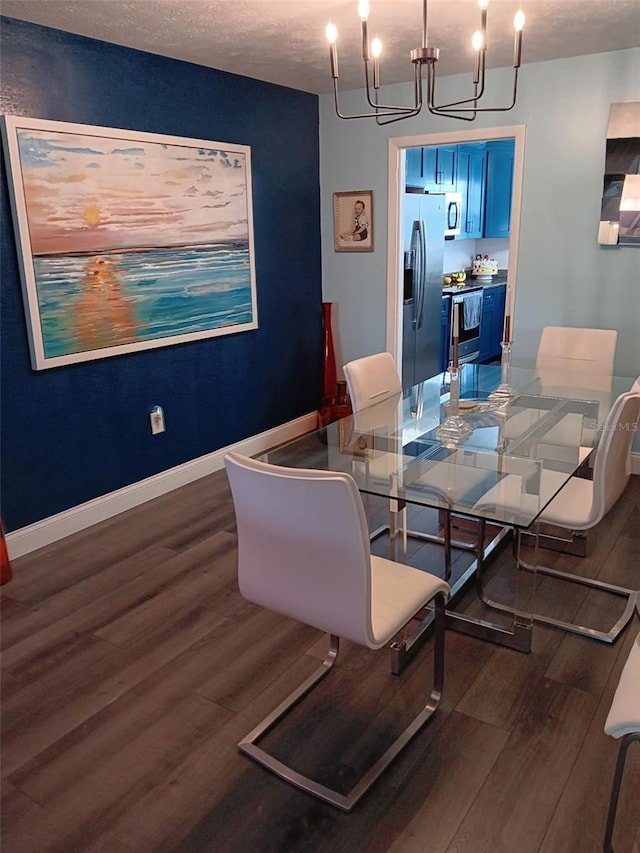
x: 466, y: 109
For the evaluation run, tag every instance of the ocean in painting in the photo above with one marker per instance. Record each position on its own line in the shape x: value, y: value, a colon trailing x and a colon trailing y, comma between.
x: 91, y: 301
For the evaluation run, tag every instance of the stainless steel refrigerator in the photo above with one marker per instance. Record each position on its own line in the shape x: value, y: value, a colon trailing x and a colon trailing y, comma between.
x: 423, y: 218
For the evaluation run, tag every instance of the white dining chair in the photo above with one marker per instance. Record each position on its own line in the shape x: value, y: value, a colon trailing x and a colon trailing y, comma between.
x: 623, y: 722
x: 303, y: 551
x: 565, y: 350
x: 573, y: 357
x: 580, y: 504
x: 372, y: 379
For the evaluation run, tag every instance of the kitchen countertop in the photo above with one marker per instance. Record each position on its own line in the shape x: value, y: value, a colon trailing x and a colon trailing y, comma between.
x: 472, y: 284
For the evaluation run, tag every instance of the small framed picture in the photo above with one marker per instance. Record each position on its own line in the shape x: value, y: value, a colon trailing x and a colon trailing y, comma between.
x: 353, y: 221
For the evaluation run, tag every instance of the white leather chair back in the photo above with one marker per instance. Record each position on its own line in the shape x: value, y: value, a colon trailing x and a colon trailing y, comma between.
x: 574, y: 352
x: 372, y: 379
x: 303, y: 545
x: 624, y: 715
x: 611, y: 468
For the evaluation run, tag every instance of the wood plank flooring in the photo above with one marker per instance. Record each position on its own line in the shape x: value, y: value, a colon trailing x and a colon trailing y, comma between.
x: 131, y: 667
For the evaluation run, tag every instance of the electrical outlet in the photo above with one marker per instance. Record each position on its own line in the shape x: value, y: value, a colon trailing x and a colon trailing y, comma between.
x: 157, y: 420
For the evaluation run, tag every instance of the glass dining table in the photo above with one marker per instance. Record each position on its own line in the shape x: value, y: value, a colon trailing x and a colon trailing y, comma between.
x: 533, y: 440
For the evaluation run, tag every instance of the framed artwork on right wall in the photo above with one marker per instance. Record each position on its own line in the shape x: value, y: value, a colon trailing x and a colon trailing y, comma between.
x: 620, y: 207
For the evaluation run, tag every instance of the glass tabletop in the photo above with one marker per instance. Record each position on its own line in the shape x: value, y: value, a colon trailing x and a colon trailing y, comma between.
x: 515, y: 458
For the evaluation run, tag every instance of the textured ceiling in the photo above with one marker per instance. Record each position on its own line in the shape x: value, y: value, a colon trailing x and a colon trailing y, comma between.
x: 282, y: 41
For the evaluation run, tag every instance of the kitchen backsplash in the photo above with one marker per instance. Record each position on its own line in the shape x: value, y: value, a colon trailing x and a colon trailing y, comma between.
x: 458, y: 253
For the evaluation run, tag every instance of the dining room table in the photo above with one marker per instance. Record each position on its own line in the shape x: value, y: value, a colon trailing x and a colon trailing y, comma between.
x: 447, y: 442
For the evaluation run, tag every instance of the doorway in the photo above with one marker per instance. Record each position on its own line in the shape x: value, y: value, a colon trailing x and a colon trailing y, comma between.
x: 398, y: 148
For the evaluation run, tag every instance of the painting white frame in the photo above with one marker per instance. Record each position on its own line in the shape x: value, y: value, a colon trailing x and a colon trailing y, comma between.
x: 128, y: 240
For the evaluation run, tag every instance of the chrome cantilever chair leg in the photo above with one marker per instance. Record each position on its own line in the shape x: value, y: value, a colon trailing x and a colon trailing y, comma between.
x: 346, y: 802
x: 615, y: 791
x: 632, y: 596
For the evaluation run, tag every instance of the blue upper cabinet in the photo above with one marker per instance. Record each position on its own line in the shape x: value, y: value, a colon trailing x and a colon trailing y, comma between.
x: 446, y: 168
x: 414, y: 167
x: 471, y: 183
x: 499, y: 186
x: 481, y: 171
x: 429, y: 167
x: 432, y: 168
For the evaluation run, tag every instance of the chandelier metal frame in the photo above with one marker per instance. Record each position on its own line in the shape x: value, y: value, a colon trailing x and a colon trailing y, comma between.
x: 465, y: 109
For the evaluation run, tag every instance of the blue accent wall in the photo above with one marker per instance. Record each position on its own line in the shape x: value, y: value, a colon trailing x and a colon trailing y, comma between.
x: 70, y: 434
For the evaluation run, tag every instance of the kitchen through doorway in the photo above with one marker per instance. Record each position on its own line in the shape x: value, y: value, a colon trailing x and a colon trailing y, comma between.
x: 430, y: 164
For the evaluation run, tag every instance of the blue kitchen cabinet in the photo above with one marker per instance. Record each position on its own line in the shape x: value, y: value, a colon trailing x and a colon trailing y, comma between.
x: 429, y: 167
x: 432, y: 168
x: 492, y: 322
x: 445, y: 333
x: 447, y: 168
x: 498, y: 318
x: 499, y: 186
x: 413, y: 160
x: 471, y: 183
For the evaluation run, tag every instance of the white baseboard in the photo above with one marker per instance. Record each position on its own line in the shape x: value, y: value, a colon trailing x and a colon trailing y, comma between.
x: 56, y: 527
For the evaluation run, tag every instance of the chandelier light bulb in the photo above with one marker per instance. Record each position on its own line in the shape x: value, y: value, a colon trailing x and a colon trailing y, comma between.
x: 332, y: 34
x: 376, y: 50
x: 483, y: 3
x: 518, y: 24
x: 477, y: 40
x: 363, y: 9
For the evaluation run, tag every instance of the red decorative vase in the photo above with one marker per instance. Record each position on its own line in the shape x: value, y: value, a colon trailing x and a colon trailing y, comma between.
x: 5, y: 566
x: 335, y: 403
x: 329, y: 376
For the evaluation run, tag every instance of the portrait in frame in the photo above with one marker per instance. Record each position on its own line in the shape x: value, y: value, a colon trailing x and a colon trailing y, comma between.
x: 128, y: 240
x: 353, y: 221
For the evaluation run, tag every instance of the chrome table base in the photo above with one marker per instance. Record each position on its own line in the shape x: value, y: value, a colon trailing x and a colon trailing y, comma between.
x: 519, y: 638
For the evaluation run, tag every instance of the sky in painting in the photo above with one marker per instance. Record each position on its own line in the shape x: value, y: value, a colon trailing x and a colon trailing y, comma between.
x: 89, y: 193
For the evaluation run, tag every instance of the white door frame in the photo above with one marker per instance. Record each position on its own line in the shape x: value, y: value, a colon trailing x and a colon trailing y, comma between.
x: 396, y: 172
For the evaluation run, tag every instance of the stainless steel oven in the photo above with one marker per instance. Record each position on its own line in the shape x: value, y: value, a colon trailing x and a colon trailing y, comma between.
x: 470, y: 315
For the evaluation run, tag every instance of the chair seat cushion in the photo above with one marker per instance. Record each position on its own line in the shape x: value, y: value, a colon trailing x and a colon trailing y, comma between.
x: 457, y: 484
x: 624, y: 715
x: 397, y: 593
x: 509, y: 498
x: 571, y: 507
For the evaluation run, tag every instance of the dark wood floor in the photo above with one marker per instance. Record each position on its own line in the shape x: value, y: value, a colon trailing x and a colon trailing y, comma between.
x: 132, y: 667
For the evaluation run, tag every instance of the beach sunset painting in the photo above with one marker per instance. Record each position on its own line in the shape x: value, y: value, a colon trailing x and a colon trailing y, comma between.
x: 128, y: 240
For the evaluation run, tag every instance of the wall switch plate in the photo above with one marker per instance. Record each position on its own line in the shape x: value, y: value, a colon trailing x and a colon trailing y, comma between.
x: 157, y: 420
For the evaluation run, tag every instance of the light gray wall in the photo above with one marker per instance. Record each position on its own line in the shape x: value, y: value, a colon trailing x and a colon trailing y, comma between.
x: 564, y: 276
